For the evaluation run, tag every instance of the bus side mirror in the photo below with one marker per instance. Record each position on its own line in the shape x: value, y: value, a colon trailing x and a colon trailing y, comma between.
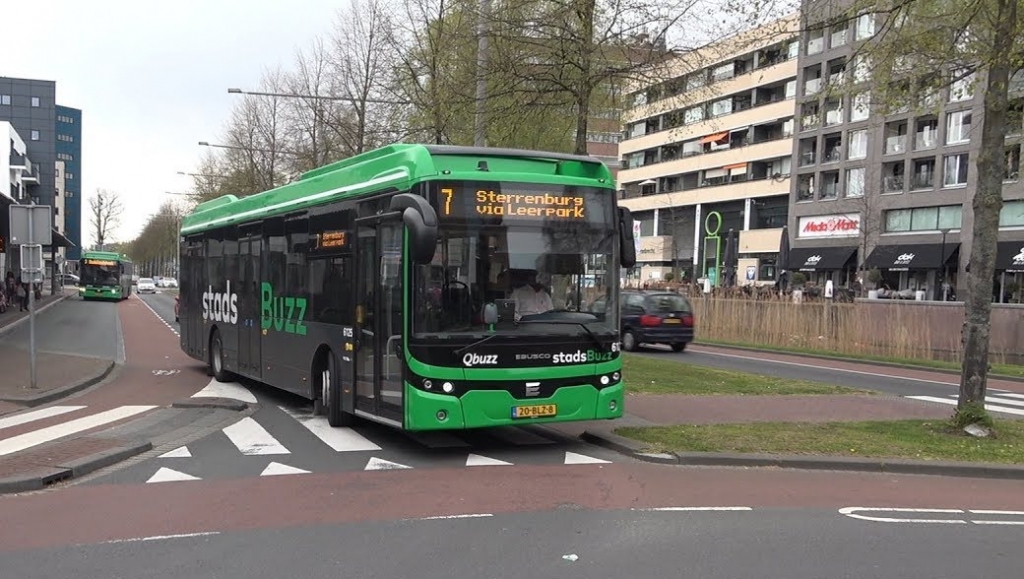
x: 627, y: 249
x: 421, y: 221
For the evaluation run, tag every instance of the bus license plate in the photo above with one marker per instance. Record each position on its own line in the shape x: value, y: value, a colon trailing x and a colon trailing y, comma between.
x: 534, y: 411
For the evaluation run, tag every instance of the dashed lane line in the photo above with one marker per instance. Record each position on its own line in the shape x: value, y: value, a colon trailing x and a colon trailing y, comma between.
x: 158, y: 316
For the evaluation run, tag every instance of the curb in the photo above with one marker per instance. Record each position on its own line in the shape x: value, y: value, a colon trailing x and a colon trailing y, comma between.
x: 633, y: 449
x: 862, y: 361
x: 220, y: 403
x: 10, y: 327
x: 62, y: 392
x: 44, y: 477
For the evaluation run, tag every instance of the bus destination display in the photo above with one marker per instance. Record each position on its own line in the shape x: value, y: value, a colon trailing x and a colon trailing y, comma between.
x: 457, y: 202
x: 100, y: 262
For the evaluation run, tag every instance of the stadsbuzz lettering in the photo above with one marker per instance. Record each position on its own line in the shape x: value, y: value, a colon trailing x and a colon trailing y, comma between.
x: 220, y: 307
x: 580, y: 357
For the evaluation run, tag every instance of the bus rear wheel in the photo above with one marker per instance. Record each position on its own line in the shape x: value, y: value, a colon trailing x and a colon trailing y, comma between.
x: 217, y: 358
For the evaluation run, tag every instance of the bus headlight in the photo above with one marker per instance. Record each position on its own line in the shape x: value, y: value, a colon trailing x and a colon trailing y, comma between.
x: 448, y: 387
x: 616, y: 376
x: 605, y: 380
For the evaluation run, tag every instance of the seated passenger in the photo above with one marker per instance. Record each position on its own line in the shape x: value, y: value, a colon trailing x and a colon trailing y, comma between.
x: 529, y: 296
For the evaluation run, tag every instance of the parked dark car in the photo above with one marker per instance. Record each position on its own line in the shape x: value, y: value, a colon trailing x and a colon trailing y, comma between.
x: 655, y: 317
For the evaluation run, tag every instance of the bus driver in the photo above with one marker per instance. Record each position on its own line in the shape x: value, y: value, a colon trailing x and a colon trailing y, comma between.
x: 529, y: 296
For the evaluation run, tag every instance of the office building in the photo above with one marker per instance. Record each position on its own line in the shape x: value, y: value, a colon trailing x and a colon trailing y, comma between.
x: 69, y: 151
x: 707, y: 149
x: 891, y: 190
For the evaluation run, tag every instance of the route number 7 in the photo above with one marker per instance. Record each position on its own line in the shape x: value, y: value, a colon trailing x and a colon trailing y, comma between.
x: 448, y: 193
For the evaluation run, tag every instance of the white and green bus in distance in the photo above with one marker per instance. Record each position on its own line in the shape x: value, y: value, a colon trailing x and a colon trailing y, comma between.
x: 396, y: 285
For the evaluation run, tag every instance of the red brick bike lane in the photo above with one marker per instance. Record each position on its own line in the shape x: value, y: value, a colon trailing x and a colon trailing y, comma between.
x: 93, y: 514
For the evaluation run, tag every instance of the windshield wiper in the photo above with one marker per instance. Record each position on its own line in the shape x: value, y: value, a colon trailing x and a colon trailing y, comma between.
x: 592, y: 335
x: 475, y: 344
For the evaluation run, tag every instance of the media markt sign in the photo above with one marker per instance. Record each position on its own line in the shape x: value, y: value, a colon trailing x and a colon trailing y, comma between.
x: 827, y: 226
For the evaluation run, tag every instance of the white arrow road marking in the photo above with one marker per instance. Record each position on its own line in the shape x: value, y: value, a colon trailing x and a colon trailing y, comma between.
x: 478, y: 460
x: 695, y: 509
x: 180, y: 452
x: 170, y: 475
x: 251, y: 438
x: 276, y: 468
x: 850, y: 512
x: 574, y: 458
x: 381, y: 464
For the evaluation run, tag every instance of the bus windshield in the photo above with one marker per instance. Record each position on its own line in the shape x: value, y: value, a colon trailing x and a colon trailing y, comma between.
x: 100, y: 274
x: 541, y: 254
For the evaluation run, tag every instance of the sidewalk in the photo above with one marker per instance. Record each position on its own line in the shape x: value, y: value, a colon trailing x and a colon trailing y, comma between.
x: 58, y: 373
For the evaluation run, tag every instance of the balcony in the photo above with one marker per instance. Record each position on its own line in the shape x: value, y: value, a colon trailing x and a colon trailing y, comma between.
x: 892, y: 184
x: 751, y: 188
x: 782, y: 147
x: 921, y: 181
x: 896, y: 145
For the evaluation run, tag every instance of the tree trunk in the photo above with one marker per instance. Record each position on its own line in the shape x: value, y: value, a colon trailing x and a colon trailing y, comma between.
x: 585, y: 88
x: 988, y: 201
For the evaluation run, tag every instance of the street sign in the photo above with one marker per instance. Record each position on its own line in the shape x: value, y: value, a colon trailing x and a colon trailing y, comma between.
x: 32, y: 263
x: 31, y: 224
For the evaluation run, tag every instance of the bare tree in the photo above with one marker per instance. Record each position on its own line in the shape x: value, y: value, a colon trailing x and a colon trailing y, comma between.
x: 105, y: 210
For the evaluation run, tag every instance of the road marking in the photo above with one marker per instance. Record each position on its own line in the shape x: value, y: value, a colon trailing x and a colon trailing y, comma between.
x: 695, y: 509
x: 161, y: 537
x: 37, y: 437
x: 251, y: 439
x: 953, y: 402
x: 232, y: 390
x: 445, y: 517
x: 340, y: 439
x: 575, y: 458
x: 381, y: 464
x: 180, y: 452
x: 170, y: 475
x: 158, y: 316
x: 276, y: 468
x: 850, y: 512
x: 479, y: 460
x: 830, y: 368
x: 34, y: 415
x: 165, y: 372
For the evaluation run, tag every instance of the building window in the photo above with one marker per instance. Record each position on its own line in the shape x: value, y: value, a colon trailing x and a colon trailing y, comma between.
x: 5, y: 99
x: 855, y: 182
x: 861, y: 68
x: 958, y: 127
x: 815, y: 41
x: 1012, y: 214
x: 1012, y: 170
x: 860, y: 106
x: 954, y: 170
x: 35, y: 102
x: 923, y: 219
x: 858, y: 147
x: 865, y: 26
x: 839, y: 34
x: 34, y: 135
x: 69, y: 176
x: 962, y: 89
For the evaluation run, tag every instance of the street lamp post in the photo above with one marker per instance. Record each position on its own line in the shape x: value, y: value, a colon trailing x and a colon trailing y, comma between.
x: 942, y: 269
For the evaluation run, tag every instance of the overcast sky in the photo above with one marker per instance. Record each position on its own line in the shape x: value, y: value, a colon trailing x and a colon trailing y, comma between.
x: 151, y: 79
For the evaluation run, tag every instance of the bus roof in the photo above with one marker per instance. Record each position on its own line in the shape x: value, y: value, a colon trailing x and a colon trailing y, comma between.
x: 111, y: 255
x: 398, y: 167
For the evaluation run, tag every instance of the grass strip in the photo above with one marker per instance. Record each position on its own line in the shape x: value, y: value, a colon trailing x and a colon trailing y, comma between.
x: 651, y: 375
x: 907, y: 439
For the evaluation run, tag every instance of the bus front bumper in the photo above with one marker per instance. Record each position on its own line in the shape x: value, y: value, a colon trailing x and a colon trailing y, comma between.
x: 488, y: 408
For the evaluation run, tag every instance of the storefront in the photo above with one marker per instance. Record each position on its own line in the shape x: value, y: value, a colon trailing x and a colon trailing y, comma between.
x: 820, y: 264
x: 909, y: 268
x: 1009, y: 272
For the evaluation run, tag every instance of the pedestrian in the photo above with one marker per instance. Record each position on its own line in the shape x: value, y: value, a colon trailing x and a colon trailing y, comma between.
x: 22, y: 296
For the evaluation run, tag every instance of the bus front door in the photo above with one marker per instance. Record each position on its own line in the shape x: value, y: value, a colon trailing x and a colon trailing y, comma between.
x: 379, y: 317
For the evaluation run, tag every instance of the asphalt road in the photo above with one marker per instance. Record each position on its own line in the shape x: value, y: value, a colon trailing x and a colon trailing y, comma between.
x: 792, y: 543
x: 75, y: 327
x: 162, y: 303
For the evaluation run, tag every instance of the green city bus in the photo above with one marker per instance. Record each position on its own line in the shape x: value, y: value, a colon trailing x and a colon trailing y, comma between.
x: 381, y: 287
x: 105, y: 275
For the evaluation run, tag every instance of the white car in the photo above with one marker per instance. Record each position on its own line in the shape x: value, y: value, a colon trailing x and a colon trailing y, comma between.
x: 146, y: 286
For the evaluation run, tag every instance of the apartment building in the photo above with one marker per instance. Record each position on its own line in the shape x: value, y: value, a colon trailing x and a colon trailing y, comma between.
x: 708, y: 148
x: 891, y: 189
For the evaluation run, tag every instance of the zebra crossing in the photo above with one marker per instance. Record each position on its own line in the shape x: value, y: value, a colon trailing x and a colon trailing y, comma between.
x: 283, y: 441
x: 1002, y: 401
x: 30, y: 429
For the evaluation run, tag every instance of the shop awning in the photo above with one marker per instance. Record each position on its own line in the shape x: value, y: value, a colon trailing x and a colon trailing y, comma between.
x: 735, y: 166
x: 714, y: 138
x: 910, y: 256
x: 59, y: 240
x: 1010, y: 256
x: 820, y: 258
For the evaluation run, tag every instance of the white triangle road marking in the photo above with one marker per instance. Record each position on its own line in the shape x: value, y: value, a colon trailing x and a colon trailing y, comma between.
x: 180, y: 452
x: 380, y: 464
x: 478, y: 460
x: 232, y: 390
x: 574, y: 458
x: 169, y: 475
x: 276, y: 468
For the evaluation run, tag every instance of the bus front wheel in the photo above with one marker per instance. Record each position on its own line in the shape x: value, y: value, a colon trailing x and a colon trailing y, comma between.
x: 329, y: 399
